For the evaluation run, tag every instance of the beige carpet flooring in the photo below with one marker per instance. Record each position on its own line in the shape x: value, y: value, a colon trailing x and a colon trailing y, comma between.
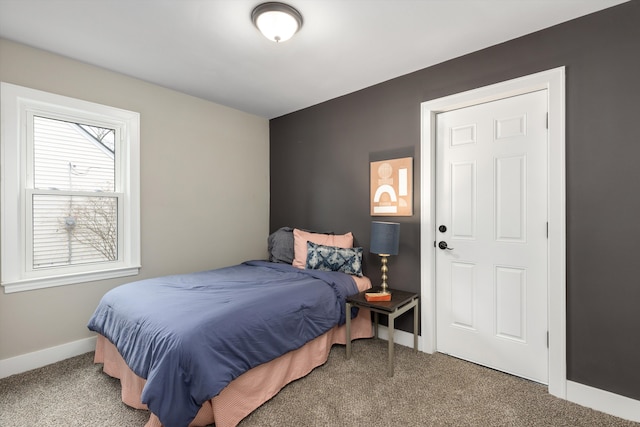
x: 426, y: 390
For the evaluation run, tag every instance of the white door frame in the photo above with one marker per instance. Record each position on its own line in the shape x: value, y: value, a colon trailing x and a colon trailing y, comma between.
x: 553, y: 81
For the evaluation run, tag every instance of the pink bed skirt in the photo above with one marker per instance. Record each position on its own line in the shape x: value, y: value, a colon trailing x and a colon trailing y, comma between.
x: 247, y: 392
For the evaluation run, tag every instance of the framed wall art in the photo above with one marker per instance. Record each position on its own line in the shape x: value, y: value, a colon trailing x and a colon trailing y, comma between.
x: 392, y: 187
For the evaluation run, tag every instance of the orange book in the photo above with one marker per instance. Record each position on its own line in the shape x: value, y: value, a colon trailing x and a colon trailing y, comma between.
x: 377, y: 296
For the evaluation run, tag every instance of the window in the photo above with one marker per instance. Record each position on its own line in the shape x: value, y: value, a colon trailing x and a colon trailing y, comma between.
x: 69, y: 202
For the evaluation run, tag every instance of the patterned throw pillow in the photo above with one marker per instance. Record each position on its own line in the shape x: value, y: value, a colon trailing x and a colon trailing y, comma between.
x: 332, y: 258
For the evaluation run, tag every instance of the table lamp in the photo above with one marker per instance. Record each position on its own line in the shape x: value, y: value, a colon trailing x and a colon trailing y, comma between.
x: 385, y: 240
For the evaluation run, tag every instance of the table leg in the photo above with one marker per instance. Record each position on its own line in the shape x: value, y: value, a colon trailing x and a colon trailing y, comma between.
x: 375, y: 324
x: 348, y: 337
x: 416, y: 315
x: 391, y: 327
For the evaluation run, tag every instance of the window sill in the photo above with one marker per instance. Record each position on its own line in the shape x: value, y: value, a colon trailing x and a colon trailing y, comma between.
x: 69, y: 279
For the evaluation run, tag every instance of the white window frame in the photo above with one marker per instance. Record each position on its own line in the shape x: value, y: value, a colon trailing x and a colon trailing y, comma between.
x: 18, y: 105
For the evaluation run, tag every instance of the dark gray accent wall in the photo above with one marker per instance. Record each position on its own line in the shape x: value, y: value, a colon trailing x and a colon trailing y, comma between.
x: 320, y: 174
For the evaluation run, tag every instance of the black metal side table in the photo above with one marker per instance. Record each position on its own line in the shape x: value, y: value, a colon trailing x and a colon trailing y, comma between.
x: 401, y: 302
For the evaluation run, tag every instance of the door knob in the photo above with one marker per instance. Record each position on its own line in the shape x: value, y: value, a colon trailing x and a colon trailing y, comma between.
x: 443, y: 245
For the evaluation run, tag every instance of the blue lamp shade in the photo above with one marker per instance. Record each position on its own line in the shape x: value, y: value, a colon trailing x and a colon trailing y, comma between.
x: 385, y: 238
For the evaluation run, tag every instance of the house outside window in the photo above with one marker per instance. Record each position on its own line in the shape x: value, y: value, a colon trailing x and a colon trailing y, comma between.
x: 69, y: 205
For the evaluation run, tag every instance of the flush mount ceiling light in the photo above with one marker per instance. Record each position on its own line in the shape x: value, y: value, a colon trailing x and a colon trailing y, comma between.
x: 276, y: 21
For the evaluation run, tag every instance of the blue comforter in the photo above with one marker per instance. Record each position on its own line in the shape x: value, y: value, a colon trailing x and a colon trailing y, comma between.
x: 189, y: 335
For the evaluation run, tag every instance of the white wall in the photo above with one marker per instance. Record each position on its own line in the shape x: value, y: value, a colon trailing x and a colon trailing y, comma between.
x: 204, y: 192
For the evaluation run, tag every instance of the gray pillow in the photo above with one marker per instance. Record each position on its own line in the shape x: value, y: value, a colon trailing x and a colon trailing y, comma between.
x: 280, y: 244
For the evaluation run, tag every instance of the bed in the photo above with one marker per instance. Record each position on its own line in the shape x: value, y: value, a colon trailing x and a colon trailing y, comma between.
x: 210, y: 347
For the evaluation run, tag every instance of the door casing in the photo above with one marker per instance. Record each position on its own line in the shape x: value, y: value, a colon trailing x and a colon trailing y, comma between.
x: 554, y: 81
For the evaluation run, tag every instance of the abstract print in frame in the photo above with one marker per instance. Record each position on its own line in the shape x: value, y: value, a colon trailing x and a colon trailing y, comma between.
x: 392, y: 187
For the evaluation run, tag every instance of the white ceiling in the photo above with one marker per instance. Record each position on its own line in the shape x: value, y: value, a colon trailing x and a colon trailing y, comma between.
x: 210, y: 48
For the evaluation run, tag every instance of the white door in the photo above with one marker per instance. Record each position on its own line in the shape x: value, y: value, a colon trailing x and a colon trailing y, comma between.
x: 491, y: 213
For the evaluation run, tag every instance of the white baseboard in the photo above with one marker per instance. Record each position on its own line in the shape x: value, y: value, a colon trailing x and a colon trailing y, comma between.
x: 603, y: 401
x: 399, y: 337
x: 47, y: 356
x: 591, y: 397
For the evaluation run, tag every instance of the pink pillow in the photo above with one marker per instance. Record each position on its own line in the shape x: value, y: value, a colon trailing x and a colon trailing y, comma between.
x: 300, y: 239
